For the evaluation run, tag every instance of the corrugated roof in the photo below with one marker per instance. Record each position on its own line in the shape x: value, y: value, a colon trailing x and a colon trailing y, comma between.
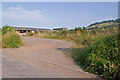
x: 34, y: 29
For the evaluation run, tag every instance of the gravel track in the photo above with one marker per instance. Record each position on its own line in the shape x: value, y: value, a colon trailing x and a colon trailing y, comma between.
x: 40, y: 58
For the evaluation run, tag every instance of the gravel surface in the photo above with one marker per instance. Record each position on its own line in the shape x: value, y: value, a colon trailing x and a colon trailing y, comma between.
x: 40, y: 58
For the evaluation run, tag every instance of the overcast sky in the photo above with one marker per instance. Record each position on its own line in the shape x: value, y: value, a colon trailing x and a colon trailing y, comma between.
x: 57, y: 14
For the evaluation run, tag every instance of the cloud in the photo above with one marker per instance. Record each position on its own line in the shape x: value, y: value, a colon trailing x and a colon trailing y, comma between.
x: 19, y: 16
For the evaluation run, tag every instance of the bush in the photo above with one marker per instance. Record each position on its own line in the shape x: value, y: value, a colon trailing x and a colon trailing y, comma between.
x: 101, y: 58
x: 30, y: 34
x: 6, y: 29
x: 11, y: 40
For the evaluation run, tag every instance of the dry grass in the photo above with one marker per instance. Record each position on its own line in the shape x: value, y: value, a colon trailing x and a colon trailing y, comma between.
x: 11, y: 40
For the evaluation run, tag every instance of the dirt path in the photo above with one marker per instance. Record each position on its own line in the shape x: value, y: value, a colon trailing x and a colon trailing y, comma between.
x: 41, y: 58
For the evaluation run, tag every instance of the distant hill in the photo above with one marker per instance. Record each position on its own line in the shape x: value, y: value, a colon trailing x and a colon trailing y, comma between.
x: 103, y: 24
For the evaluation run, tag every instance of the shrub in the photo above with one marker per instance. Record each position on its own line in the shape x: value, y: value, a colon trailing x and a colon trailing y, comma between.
x: 101, y: 58
x: 11, y: 40
x: 30, y: 34
x: 6, y: 29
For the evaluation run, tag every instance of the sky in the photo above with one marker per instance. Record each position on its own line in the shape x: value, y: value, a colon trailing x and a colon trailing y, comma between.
x: 57, y: 14
x: 60, y: 0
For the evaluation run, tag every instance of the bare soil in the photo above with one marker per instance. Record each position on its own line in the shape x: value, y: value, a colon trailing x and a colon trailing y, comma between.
x: 41, y: 58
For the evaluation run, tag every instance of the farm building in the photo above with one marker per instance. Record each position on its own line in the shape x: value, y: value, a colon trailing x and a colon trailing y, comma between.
x: 60, y: 29
x: 25, y: 30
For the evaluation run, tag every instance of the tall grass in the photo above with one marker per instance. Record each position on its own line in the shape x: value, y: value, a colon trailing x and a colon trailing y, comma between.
x: 79, y: 37
x: 11, y: 40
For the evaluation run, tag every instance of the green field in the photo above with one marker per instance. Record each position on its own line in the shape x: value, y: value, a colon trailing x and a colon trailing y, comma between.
x: 103, y: 24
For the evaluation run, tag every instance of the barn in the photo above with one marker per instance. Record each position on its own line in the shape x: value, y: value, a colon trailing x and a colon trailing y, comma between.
x: 25, y: 30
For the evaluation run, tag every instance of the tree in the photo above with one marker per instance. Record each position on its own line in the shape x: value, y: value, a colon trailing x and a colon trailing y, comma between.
x: 78, y: 29
x: 84, y: 28
x: 7, y: 28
